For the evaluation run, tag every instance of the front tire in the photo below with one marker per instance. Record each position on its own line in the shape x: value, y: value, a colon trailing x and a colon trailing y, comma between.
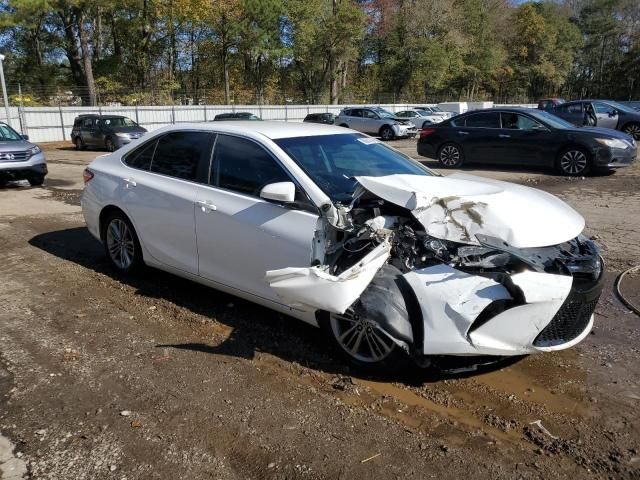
x: 36, y: 180
x: 361, y: 343
x: 386, y: 133
x: 121, y: 243
x: 573, y: 162
x: 632, y: 129
x: 450, y: 155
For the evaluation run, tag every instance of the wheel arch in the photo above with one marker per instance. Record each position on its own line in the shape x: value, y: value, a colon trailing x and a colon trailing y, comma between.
x: 104, y: 214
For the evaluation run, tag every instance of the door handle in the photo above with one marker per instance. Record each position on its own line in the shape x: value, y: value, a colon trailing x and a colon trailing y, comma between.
x: 129, y: 183
x: 206, y: 206
x: 502, y: 135
x: 463, y: 133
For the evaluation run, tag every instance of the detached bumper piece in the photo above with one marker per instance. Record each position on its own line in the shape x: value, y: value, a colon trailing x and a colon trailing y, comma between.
x: 574, y: 315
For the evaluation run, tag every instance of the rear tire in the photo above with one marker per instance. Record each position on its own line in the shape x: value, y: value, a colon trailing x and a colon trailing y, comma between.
x: 632, y: 129
x: 344, y: 125
x: 121, y: 244
x: 450, y: 155
x: 386, y: 133
x: 573, y: 162
x: 79, y: 144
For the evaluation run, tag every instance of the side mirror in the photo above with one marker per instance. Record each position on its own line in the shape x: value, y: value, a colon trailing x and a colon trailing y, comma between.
x: 284, y: 192
x: 25, y: 137
x: 539, y: 128
x: 613, y: 113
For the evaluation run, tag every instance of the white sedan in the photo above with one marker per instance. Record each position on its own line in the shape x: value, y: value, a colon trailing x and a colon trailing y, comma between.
x: 340, y: 230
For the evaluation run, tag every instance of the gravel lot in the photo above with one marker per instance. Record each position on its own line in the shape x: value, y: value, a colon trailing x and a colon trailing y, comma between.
x: 155, y: 377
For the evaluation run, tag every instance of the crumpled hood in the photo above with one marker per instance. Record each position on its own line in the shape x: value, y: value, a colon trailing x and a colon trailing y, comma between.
x: 457, y: 207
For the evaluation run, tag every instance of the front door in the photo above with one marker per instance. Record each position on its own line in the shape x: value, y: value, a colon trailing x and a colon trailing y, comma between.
x: 241, y: 236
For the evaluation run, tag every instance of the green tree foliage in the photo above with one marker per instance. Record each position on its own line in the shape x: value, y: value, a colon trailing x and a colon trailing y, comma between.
x: 240, y: 51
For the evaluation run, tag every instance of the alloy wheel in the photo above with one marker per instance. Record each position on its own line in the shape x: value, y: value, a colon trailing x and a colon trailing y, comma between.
x: 360, y: 338
x: 633, y: 130
x: 387, y: 133
x: 450, y: 156
x: 120, y: 243
x: 573, y: 162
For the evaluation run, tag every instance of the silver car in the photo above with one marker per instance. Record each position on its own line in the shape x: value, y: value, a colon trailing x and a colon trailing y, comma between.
x: 20, y: 159
x: 419, y: 118
x: 375, y: 121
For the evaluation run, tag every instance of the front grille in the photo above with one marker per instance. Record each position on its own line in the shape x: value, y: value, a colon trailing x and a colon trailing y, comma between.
x: 570, y: 321
x: 14, y: 156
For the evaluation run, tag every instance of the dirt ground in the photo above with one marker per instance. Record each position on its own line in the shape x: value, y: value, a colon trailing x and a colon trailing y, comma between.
x: 155, y: 377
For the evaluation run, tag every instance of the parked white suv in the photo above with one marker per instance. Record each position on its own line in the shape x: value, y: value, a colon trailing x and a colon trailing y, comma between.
x: 420, y: 118
x: 376, y: 121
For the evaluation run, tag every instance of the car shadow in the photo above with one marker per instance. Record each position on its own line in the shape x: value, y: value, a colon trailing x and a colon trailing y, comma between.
x: 253, y: 328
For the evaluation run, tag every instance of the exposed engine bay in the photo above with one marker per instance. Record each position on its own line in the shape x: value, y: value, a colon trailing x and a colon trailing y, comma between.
x: 428, y: 271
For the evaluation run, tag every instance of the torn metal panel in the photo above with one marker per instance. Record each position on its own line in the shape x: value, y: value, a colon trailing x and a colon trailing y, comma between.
x: 450, y: 301
x: 314, y: 287
x: 458, y: 207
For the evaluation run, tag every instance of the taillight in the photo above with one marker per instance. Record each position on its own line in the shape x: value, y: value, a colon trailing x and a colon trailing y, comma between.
x: 425, y: 132
x: 87, y: 175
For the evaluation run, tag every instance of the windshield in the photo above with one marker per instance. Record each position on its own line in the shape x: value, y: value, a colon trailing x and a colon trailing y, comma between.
x: 8, y: 134
x: 383, y: 113
x: 436, y: 109
x: 332, y: 161
x: 115, y: 122
x: 623, y: 108
x: 550, y: 119
x: 423, y: 113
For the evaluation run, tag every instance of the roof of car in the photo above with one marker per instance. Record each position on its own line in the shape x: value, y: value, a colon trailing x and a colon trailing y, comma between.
x: 504, y: 109
x: 269, y: 129
x: 85, y: 115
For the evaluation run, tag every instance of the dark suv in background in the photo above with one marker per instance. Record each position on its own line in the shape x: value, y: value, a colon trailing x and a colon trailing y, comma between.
x: 326, y: 118
x: 104, y: 131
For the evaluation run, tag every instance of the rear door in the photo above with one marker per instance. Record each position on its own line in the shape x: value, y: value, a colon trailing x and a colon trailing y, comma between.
x: 89, y: 132
x: 241, y: 236
x: 160, y: 195
x: 522, y: 140
x: 480, y: 137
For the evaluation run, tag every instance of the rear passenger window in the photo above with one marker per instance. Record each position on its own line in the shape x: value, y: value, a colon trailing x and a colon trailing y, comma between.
x: 141, y: 157
x: 483, y: 120
x: 180, y: 154
x: 244, y: 166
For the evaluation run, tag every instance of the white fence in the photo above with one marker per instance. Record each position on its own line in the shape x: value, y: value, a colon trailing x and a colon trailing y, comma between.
x: 51, y: 124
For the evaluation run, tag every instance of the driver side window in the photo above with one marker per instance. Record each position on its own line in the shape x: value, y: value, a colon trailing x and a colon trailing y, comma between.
x: 369, y: 114
x: 243, y: 166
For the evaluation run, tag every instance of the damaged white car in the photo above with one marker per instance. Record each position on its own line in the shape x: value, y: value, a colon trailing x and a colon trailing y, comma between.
x: 344, y: 232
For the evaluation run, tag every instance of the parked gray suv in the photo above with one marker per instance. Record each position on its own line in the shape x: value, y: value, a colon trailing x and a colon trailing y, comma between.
x: 20, y: 159
x: 375, y: 121
x: 607, y: 113
x: 104, y: 131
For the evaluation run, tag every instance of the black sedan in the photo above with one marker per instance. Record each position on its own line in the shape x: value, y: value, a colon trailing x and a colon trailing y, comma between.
x: 326, y: 118
x: 528, y: 137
